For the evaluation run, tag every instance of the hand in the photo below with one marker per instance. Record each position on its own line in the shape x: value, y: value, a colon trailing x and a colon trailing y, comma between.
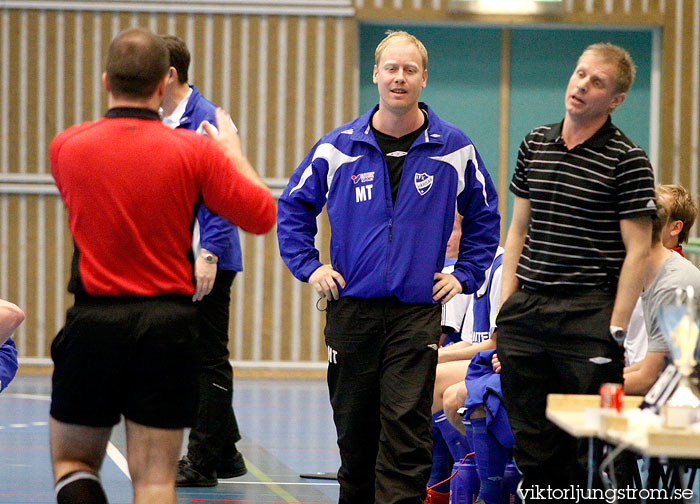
x: 326, y: 281
x: 446, y: 287
x: 204, y: 275
x: 226, y: 137
x: 496, y: 363
x: 228, y: 140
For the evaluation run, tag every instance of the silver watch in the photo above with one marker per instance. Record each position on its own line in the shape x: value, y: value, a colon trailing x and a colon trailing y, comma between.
x: 209, y: 257
x: 618, y: 333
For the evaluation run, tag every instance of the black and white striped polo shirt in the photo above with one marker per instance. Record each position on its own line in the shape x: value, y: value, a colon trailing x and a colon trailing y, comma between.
x: 577, y: 199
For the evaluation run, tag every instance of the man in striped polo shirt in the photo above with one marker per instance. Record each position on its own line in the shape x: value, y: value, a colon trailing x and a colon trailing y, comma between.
x: 573, y: 264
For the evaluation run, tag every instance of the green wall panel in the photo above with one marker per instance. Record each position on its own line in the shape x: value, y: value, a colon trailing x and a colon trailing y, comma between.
x: 463, y: 79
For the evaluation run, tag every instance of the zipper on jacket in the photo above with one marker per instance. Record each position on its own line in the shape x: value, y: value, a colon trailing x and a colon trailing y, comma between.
x: 388, y: 254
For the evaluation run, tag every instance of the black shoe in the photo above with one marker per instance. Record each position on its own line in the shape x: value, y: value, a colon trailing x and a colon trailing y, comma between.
x: 188, y: 475
x: 232, y: 467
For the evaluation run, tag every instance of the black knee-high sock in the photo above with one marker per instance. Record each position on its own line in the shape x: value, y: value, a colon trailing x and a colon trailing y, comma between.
x: 80, y: 487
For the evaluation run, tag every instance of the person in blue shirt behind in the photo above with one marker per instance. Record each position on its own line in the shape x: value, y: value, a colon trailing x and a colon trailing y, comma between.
x: 478, y: 332
x: 391, y: 181
x: 211, y: 451
x: 11, y: 316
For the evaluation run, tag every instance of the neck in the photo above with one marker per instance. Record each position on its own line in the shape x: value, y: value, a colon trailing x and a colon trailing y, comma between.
x: 391, y: 123
x: 575, y: 132
x: 152, y: 103
x: 658, y: 254
x: 172, y: 99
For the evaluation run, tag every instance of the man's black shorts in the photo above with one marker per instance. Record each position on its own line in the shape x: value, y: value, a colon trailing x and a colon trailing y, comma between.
x: 131, y: 356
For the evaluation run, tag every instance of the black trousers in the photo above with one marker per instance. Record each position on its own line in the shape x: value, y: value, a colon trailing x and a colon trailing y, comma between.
x: 214, y: 436
x: 553, y: 343
x: 382, y: 356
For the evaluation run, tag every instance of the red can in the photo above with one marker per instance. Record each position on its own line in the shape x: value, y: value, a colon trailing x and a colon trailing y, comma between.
x: 611, y: 396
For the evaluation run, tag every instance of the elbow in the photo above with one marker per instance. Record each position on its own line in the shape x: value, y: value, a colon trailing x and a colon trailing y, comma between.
x: 270, y: 216
x: 267, y: 218
x: 260, y: 217
x: 638, y: 385
x: 14, y: 316
x: 11, y: 316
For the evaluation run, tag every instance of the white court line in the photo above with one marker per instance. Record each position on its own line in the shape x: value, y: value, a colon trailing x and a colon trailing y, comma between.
x: 112, y: 450
x: 281, y: 483
x: 121, y: 463
x: 118, y: 459
x: 28, y: 396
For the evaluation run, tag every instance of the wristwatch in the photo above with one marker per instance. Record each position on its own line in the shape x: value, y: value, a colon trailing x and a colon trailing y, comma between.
x: 618, y: 334
x: 209, y: 257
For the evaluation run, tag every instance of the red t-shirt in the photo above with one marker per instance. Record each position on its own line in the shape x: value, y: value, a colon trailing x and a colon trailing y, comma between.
x: 131, y: 186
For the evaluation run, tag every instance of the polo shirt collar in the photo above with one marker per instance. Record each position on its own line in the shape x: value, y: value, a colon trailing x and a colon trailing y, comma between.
x: 598, y: 140
x: 132, y: 113
x: 178, y: 115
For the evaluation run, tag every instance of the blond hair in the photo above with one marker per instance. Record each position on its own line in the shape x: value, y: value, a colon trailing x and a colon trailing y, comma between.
x: 626, y: 69
x: 682, y: 208
x: 391, y: 35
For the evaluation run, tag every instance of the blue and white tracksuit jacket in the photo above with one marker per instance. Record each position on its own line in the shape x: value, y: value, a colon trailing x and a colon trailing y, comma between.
x: 481, y: 306
x: 8, y: 363
x: 385, y: 250
x: 216, y: 234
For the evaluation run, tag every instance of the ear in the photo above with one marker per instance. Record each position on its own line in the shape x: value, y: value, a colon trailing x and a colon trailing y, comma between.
x: 676, y: 228
x: 374, y: 74
x: 425, y: 78
x: 105, y: 84
x: 617, y: 100
x: 161, y: 87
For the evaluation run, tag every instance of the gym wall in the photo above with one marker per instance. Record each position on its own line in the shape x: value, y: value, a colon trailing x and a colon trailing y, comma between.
x: 288, y: 71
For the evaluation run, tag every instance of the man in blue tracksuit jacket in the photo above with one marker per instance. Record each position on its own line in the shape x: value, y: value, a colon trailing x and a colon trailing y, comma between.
x: 11, y: 316
x: 211, y: 451
x: 391, y: 181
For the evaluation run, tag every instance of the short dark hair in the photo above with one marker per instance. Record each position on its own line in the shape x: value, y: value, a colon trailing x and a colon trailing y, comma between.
x: 136, y: 62
x: 179, y: 56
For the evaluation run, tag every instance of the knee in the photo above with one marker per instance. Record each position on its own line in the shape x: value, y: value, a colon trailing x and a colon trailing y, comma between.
x: 451, y: 402
x: 145, y: 493
x: 478, y: 413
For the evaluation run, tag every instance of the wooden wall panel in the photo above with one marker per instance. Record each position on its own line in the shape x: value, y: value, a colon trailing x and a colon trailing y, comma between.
x: 264, y: 68
x: 287, y: 75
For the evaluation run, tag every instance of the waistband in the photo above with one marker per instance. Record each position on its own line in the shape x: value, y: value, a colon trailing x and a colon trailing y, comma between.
x: 88, y: 300
x: 571, y: 291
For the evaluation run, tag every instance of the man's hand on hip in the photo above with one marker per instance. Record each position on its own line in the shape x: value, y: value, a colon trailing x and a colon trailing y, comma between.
x: 326, y: 281
x: 446, y: 287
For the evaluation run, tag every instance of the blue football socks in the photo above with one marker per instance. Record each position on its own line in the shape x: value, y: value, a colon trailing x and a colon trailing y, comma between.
x: 456, y: 442
x: 491, y: 458
x: 442, y: 462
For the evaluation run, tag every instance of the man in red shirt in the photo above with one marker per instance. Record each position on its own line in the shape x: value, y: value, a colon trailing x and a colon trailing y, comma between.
x: 132, y: 187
